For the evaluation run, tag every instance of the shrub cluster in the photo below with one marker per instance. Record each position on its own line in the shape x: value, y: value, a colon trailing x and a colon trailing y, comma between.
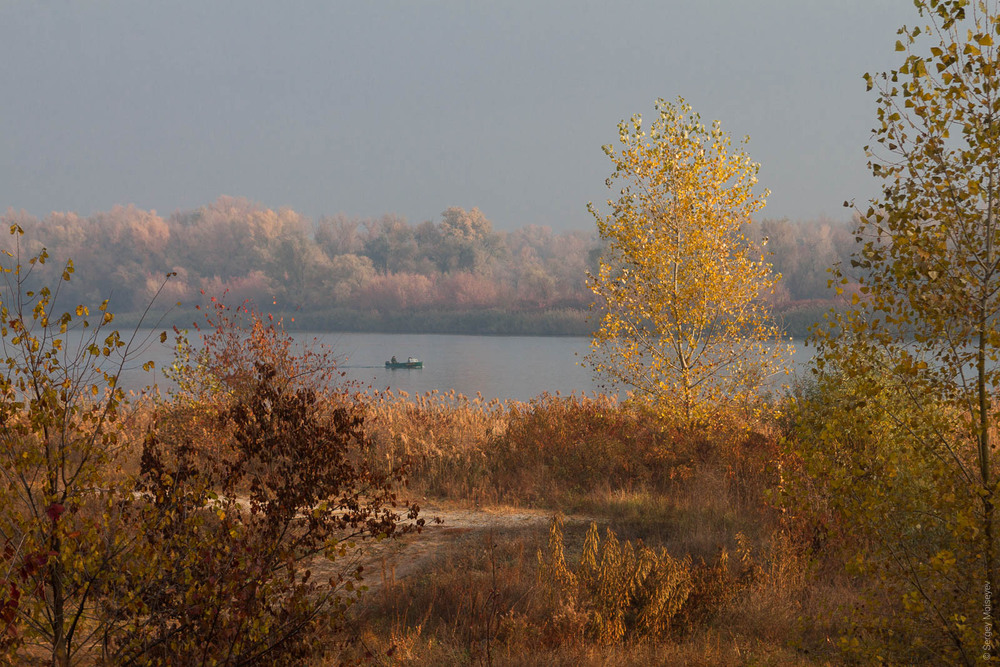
x: 215, y: 525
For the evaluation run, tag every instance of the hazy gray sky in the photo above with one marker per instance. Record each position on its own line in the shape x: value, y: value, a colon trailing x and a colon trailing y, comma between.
x: 410, y: 107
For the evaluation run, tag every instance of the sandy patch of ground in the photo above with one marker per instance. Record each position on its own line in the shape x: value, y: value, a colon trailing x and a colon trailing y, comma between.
x: 446, y: 527
x: 397, y: 559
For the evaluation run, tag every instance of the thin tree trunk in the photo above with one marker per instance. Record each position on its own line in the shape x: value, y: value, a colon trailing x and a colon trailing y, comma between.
x: 59, y: 654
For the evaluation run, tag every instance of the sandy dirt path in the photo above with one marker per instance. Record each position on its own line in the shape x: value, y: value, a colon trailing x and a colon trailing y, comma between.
x: 397, y: 559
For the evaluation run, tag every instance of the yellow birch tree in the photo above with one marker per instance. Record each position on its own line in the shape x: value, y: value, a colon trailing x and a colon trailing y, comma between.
x: 680, y: 281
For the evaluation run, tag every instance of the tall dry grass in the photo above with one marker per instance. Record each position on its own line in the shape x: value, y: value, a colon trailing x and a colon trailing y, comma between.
x: 489, y: 603
x: 689, y: 489
x: 702, y: 497
x: 549, y: 451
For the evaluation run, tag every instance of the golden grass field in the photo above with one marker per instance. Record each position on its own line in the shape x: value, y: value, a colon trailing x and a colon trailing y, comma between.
x: 480, y: 589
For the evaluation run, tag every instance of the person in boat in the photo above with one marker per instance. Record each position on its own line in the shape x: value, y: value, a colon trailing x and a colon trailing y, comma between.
x: 394, y: 359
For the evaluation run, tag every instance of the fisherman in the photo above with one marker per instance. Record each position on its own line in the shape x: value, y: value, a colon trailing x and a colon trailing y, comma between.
x: 394, y: 359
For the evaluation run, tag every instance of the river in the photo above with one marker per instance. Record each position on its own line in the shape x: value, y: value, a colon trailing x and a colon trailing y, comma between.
x: 502, y: 367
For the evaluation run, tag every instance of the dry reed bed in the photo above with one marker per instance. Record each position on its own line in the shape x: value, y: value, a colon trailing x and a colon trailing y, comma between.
x: 525, y: 453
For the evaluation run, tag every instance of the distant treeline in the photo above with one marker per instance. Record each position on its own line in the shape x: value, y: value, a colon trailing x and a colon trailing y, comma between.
x: 455, y: 275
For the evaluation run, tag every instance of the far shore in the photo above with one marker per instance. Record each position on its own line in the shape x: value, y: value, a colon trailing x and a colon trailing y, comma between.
x: 796, y: 320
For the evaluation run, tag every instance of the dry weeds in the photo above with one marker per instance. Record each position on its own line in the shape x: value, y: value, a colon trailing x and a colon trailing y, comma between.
x: 467, y: 591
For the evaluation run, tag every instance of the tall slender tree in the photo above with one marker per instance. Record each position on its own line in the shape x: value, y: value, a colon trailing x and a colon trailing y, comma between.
x: 926, y: 325
x: 680, y: 280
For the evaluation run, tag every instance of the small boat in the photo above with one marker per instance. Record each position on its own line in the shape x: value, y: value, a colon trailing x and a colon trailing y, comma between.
x: 411, y: 362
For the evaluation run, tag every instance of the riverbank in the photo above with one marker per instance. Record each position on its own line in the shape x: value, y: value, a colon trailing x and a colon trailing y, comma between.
x: 796, y: 318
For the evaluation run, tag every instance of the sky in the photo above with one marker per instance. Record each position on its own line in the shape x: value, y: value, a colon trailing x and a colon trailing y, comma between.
x: 412, y: 106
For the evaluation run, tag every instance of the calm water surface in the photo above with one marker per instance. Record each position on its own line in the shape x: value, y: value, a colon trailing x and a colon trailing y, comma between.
x: 503, y: 367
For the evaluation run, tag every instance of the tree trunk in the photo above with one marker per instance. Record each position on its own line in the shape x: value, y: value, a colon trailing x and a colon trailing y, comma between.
x: 60, y: 655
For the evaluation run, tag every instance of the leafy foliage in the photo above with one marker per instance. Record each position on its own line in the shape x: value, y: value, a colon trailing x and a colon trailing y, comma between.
x: 680, y: 281
x: 245, y: 541
x: 911, y: 370
x: 63, y: 442
x: 875, y: 494
x: 128, y: 540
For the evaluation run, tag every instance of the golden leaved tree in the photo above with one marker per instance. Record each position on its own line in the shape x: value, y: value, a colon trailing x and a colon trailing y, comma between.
x: 903, y: 435
x: 680, y: 281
